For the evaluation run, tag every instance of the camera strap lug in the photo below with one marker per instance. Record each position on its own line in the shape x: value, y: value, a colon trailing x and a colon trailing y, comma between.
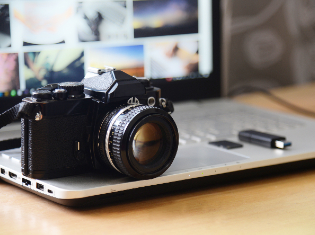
x: 167, y: 105
x: 38, y: 116
x: 162, y: 102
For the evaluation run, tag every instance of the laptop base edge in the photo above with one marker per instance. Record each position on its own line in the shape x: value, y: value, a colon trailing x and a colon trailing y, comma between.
x: 179, y: 187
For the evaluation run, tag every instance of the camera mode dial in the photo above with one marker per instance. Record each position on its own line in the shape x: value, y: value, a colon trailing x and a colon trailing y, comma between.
x: 74, y: 89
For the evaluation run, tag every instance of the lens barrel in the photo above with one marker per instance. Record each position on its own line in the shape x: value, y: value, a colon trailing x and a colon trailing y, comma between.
x: 139, y: 141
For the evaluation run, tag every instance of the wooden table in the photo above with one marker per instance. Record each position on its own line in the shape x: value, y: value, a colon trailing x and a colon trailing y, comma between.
x: 283, y: 204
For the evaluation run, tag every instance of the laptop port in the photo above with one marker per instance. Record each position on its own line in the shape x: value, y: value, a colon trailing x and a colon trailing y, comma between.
x: 40, y: 186
x: 2, y: 171
x: 50, y: 191
x: 26, y: 182
x: 12, y: 175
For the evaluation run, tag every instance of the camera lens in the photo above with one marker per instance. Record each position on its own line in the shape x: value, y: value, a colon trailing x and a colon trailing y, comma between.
x: 147, y: 142
x: 139, y: 141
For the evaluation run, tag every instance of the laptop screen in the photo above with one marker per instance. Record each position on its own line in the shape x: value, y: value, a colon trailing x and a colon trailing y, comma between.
x: 169, y: 41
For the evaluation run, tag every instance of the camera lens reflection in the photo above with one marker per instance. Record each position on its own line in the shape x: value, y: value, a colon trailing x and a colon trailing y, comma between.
x: 147, y: 143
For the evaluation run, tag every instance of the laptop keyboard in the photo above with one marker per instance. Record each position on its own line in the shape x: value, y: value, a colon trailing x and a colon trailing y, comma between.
x: 218, y: 124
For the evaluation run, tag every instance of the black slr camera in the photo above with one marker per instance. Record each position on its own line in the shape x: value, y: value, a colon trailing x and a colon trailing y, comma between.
x: 109, y: 119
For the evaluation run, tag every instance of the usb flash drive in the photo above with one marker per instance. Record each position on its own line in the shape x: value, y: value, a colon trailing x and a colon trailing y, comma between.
x: 263, y: 139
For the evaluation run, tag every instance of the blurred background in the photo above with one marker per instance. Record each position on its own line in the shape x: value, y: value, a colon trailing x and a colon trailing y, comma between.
x: 268, y: 43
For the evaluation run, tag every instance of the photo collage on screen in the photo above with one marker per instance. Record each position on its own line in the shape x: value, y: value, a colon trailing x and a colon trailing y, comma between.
x: 44, y: 42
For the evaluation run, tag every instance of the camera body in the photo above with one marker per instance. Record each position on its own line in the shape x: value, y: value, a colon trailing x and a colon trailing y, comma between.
x: 110, y: 119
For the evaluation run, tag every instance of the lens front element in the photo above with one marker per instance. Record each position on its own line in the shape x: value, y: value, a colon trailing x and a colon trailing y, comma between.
x: 147, y: 143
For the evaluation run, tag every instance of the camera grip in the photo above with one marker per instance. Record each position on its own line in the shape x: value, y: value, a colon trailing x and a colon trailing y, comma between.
x: 50, y: 147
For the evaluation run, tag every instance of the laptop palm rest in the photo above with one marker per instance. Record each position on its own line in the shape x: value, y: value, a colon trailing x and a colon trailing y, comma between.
x: 202, y: 156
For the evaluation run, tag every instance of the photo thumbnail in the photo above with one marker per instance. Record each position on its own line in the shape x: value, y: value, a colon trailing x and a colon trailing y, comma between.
x: 9, y: 72
x: 43, y: 23
x: 165, y: 17
x: 129, y: 59
x: 53, y: 66
x: 174, y: 59
x: 102, y: 21
x: 5, y: 33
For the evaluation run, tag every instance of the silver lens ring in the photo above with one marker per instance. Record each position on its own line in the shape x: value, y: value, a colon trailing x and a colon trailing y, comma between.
x: 113, y: 120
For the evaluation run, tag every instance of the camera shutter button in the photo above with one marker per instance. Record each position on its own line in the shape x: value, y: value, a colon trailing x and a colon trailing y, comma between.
x: 60, y: 94
x: 74, y: 89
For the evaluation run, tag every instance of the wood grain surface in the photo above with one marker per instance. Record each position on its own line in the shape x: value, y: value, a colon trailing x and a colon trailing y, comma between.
x: 278, y: 204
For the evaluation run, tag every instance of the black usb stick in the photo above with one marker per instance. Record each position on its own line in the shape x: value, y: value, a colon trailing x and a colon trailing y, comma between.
x: 263, y: 139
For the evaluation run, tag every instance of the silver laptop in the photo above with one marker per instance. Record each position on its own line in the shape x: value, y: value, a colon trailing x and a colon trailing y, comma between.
x: 182, y: 56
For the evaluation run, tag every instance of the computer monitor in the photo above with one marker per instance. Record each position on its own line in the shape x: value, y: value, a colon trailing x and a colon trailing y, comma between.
x: 176, y: 43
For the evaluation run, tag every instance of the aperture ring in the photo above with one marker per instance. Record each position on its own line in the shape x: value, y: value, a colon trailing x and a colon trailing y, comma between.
x: 109, y: 153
